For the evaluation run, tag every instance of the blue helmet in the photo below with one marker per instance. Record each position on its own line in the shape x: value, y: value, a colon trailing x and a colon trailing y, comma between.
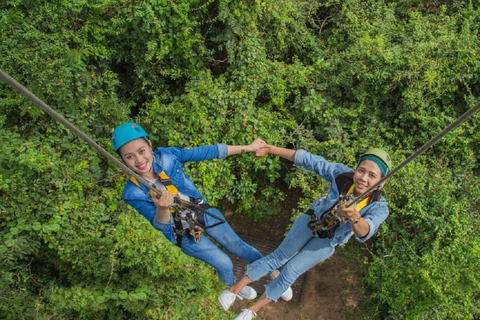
x: 127, y: 132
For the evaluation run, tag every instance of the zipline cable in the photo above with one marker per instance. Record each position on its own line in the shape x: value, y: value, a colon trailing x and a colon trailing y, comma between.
x: 24, y: 91
x: 422, y: 149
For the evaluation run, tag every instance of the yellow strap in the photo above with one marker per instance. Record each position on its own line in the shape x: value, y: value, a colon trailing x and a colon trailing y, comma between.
x: 360, y: 205
x: 168, y: 183
x: 165, y: 181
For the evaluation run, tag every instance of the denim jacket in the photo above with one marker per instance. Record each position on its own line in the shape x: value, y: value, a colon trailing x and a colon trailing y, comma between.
x: 170, y: 160
x: 374, y: 213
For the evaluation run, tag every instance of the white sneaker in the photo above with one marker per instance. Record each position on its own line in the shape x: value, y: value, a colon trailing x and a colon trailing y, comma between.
x: 226, y: 299
x: 287, y: 295
x: 246, y: 314
x: 248, y: 293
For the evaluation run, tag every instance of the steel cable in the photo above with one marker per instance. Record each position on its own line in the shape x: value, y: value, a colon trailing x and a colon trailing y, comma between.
x: 421, y: 150
x: 55, y: 115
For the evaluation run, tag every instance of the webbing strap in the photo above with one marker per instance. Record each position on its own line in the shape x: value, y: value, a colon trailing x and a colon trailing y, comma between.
x: 329, y: 222
x: 164, y: 179
x: 199, y: 209
x: 362, y: 204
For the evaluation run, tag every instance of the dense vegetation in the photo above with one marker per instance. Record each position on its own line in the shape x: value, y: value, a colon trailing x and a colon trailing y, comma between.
x: 332, y: 77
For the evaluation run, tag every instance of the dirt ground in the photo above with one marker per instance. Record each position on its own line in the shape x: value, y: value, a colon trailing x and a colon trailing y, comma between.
x: 328, y: 290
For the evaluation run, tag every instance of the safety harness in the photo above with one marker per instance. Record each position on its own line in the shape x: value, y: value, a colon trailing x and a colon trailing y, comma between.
x: 188, y: 215
x: 316, y: 225
x: 329, y: 221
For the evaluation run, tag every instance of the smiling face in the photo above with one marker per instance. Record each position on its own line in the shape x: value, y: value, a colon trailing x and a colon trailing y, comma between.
x: 367, y: 174
x: 137, y: 155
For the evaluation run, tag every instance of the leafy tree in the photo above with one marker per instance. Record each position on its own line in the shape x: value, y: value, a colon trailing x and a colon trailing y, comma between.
x: 331, y: 77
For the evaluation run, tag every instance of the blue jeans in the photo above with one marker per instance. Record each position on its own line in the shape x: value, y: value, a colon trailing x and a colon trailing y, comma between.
x: 208, y: 252
x: 299, y: 252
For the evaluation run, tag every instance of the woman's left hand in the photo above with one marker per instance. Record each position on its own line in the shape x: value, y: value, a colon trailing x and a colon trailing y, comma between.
x: 359, y: 226
x: 257, y: 144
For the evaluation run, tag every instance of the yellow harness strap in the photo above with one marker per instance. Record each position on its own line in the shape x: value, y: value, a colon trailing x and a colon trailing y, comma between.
x: 360, y: 205
x: 194, y: 230
x: 164, y: 179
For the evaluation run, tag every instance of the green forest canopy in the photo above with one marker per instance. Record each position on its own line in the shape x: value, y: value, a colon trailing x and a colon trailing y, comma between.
x: 332, y: 77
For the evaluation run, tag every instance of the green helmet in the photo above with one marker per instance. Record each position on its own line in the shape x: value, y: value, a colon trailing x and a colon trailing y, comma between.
x: 127, y: 132
x: 380, y: 154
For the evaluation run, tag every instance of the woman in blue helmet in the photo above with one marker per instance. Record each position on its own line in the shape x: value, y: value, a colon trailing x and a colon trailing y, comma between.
x: 162, y: 167
x: 303, y: 248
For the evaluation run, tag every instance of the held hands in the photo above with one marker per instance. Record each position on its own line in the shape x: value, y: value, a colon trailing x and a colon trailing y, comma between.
x: 256, y: 145
x: 260, y: 153
x: 260, y: 147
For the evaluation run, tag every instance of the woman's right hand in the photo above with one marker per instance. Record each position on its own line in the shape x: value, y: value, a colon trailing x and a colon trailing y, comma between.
x: 162, y: 204
x: 262, y: 152
x: 163, y: 201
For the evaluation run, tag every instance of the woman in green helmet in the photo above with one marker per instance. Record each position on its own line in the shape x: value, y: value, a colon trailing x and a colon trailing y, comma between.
x: 303, y: 248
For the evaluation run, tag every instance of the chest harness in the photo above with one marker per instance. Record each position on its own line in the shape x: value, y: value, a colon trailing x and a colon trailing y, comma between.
x: 188, y: 215
x: 329, y: 221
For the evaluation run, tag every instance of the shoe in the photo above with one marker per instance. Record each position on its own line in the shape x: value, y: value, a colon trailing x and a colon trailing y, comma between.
x: 287, y: 295
x: 226, y: 299
x: 246, y: 314
x: 248, y: 293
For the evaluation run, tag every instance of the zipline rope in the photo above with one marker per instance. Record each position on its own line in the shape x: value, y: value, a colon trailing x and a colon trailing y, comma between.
x: 9, y: 80
x: 24, y: 91
x: 422, y: 149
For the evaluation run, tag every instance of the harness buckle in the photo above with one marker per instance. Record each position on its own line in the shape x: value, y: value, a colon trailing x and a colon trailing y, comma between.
x: 196, y: 232
x: 327, y: 224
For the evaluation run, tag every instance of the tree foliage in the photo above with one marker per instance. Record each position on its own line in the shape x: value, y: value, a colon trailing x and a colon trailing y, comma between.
x: 331, y: 77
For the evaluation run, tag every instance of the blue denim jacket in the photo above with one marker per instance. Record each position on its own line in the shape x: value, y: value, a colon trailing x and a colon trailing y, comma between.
x: 170, y: 160
x: 374, y: 213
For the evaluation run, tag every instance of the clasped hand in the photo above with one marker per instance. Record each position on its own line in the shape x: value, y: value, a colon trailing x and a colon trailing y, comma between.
x: 163, y: 201
x: 347, y: 212
x: 260, y: 147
